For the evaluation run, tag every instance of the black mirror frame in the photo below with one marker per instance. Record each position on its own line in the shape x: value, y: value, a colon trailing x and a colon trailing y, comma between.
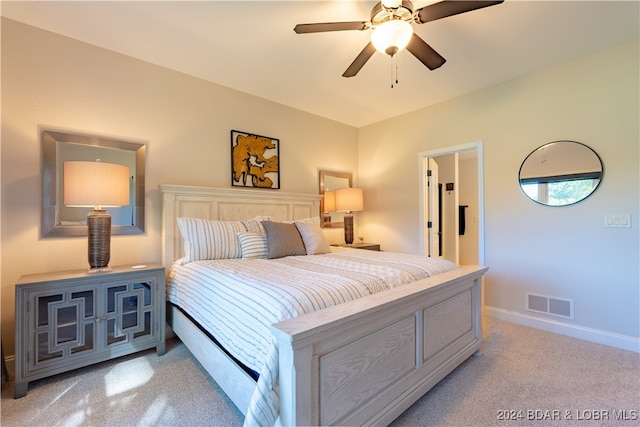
x: 599, y: 176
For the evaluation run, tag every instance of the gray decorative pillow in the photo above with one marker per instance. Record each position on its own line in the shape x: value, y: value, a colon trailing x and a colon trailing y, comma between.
x: 283, y: 240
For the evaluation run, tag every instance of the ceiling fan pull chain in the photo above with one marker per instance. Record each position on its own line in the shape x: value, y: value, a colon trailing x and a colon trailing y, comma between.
x: 396, y: 67
x: 394, y: 71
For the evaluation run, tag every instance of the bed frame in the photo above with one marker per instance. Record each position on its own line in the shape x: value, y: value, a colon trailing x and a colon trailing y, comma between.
x: 363, y: 362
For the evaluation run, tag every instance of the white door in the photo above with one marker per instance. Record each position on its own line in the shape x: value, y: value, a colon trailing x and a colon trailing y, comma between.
x: 432, y: 208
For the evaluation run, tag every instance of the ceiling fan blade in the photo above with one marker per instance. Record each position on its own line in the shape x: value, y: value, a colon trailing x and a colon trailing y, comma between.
x: 360, y: 60
x: 425, y: 53
x: 447, y: 8
x: 330, y: 26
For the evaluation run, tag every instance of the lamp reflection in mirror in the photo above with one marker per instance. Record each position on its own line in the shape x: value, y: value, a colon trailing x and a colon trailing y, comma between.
x: 329, y: 205
x: 98, y: 185
x: 349, y: 200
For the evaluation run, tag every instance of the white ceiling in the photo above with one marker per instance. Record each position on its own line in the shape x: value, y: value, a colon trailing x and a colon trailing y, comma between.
x: 251, y: 46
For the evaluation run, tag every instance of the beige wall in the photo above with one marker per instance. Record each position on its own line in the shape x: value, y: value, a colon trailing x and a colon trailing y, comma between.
x: 49, y: 80
x: 560, y: 252
x: 468, y: 175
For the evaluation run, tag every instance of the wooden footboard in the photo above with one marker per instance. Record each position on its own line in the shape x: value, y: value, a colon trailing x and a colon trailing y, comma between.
x: 366, y: 361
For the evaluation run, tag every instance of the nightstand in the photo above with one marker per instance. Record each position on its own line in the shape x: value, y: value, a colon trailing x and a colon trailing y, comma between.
x: 70, y: 319
x: 362, y: 245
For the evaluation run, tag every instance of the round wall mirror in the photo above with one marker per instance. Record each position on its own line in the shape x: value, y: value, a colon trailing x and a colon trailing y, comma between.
x: 560, y: 173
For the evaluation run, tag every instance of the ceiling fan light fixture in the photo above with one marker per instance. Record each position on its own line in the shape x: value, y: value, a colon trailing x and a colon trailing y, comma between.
x: 392, y: 36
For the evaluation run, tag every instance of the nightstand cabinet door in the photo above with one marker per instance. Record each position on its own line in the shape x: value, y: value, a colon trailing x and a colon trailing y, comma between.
x: 62, y: 323
x: 68, y: 320
x: 129, y: 312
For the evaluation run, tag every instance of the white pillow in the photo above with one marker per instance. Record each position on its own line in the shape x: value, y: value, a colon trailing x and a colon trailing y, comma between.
x: 315, y: 242
x: 253, y: 245
x: 254, y: 225
x: 311, y: 220
x: 212, y: 239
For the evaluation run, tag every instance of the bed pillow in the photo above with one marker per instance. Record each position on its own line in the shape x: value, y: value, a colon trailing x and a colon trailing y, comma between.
x: 310, y: 220
x: 283, y: 240
x: 313, y: 238
x: 210, y: 239
x: 255, y: 225
x: 253, y: 245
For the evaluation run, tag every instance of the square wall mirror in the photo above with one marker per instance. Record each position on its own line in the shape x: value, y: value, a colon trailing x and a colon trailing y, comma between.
x: 58, y: 147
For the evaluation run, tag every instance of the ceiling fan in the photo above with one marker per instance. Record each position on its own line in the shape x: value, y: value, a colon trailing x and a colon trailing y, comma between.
x: 392, y: 30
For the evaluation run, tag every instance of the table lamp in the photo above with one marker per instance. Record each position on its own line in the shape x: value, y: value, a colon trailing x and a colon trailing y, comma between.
x: 96, y: 184
x: 329, y: 205
x: 349, y: 200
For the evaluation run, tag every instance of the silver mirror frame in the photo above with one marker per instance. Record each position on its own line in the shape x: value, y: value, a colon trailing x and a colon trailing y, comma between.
x: 323, y: 175
x: 50, y: 139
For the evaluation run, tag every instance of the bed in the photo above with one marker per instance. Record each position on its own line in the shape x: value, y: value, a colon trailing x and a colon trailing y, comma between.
x: 360, y: 362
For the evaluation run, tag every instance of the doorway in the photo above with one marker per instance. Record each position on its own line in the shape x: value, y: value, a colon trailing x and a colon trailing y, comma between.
x: 452, y: 203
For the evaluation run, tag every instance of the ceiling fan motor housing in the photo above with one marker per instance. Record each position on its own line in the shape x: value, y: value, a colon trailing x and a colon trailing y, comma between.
x: 380, y: 13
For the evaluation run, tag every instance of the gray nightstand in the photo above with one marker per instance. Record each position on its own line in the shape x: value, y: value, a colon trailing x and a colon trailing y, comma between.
x: 67, y: 320
x: 362, y: 245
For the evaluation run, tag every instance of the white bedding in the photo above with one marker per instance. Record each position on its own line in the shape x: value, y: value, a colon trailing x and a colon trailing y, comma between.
x: 237, y: 300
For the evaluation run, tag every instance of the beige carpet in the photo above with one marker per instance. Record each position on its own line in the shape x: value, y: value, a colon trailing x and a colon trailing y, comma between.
x: 523, y: 377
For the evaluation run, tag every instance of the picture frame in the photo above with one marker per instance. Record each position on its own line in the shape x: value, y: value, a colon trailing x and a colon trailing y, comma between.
x: 255, y: 161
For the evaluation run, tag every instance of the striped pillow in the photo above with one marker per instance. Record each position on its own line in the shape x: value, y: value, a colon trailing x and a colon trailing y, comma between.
x: 253, y: 245
x: 210, y: 239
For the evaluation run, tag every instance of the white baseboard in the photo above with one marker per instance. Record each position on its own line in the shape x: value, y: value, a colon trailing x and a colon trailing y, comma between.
x: 551, y: 325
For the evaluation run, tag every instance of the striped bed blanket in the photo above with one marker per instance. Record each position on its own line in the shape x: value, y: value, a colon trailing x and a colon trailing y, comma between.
x: 237, y: 301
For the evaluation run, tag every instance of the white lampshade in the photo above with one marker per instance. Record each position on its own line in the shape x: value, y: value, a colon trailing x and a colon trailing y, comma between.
x: 349, y: 200
x: 95, y: 184
x: 329, y: 201
x: 392, y: 36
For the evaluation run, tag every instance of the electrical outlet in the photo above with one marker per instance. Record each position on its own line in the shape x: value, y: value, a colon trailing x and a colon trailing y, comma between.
x: 617, y: 221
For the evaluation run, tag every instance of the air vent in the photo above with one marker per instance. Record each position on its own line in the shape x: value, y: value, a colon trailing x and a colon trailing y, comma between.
x: 550, y: 305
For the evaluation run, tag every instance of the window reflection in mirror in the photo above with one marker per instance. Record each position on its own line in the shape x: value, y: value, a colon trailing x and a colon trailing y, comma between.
x: 560, y: 173
x: 58, y: 147
x: 329, y: 182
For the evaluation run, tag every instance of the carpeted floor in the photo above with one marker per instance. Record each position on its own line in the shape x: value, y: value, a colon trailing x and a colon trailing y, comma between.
x: 523, y: 377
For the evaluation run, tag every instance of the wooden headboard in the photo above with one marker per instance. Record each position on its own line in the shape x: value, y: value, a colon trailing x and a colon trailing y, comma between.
x: 226, y: 204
